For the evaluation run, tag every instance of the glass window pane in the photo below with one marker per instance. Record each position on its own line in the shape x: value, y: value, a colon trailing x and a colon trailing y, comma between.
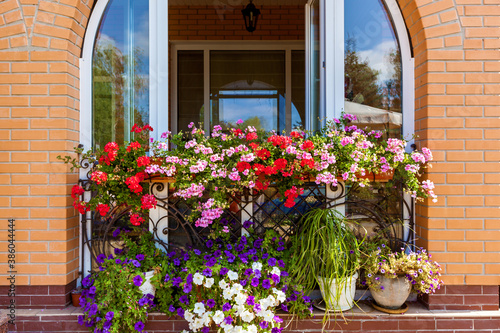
x: 190, y: 88
x: 372, y: 66
x: 314, y: 66
x: 248, y: 85
x: 298, y: 89
x: 120, y: 87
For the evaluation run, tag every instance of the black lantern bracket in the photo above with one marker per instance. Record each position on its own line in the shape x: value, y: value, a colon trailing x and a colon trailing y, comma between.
x: 251, y: 16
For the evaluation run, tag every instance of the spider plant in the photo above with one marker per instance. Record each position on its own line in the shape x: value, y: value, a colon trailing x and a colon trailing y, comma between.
x: 325, y: 251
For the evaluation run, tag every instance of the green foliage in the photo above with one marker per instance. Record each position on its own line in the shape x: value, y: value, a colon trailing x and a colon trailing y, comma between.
x: 325, y: 248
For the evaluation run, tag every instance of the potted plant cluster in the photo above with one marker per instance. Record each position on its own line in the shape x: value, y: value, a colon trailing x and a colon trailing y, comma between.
x: 326, y: 252
x: 112, y: 299
x: 392, y: 276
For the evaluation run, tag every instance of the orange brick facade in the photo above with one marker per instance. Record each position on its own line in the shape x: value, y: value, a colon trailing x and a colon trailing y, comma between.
x: 457, y: 114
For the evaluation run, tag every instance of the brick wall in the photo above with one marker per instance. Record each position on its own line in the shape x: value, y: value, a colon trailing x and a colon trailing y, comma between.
x: 226, y: 23
x: 40, y: 45
x: 456, y: 47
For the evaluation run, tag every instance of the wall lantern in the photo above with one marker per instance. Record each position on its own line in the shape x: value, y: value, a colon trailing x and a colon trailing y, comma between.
x: 251, y: 15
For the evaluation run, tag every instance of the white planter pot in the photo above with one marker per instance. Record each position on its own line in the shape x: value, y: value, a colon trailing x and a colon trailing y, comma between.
x: 394, y: 294
x: 342, y: 300
x: 147, y: 287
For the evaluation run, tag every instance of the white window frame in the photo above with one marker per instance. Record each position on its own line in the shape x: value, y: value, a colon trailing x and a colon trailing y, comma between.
x: 206, y: 47
x: 158, y: 82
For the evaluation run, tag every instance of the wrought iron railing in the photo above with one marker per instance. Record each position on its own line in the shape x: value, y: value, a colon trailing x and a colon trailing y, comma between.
x: 375, y: 208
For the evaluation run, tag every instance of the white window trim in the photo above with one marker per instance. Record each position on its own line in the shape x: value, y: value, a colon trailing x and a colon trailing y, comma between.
x: 206, y: 47
x: 158, y: 82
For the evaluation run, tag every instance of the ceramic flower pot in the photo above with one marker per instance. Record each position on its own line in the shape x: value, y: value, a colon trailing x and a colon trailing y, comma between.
x: 343, y: 299
x: 75, y: 298
x: 147, y: 287
x: 392, y: 292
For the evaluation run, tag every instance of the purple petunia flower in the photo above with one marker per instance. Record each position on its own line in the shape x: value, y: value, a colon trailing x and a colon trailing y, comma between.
x: 223, y: 271
x: 243, y: 240
x: 118, y: 261
x: 80, y: 320
x: 93, y: 310
x: 276, y: 278
x: 171, y: 308
x: 100, y: 258
x: 177, y: 262
x: 265, y: 256
x: 118, y: 251
x: 230, y: 257
x: 197, y: 252
x: 140, y: 257
x: 278, y: 319
x: 138, y: 280
x: 184, y: 299
x: 226, y: 307
x: 210, y: 303
x: 251, y: 300
x: 271, y: 262
x: 209, y: 243
x: 107, y: 325
x: 228, y: 320
x: 143, y: 301
x: 248, y: 271
x: 217, y: 253
x: 276, y: 330
x: 243, y: 282
x: 255, y: 258
x: 266, y: 284
x: 136, y: 263
x: 189, y: 278
x: 207, y: 272
x: 177, y: 281
x: 255, y: 282
x: 92, y: 290
x: 257, y: 273
x: 116, y: 232
x: 281, y: 263
x: 180, y: 312
x: 188, y: 287
x: 139, y: 326
x: 167, y: 278
x: 263, y: 324
x: 247, y: 224
x: 205, y: 329
x: 258, y: 243
x: 257, y: 308
x: 109, y: 315
x: 86, y: 281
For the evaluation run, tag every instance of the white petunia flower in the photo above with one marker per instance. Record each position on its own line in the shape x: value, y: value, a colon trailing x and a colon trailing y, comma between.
x: 209, y: 282
x: 240, y: 298
x: 268, y: 315
x: 276, y: 271
x: 257, y: 266
x: 199, y: 308
x: 236, y: 288
x: 227, y: 294
x: 218, y: 317
x: 223, y: 284
x: 237, y: 329
x: 232, y: 275
x: 247, y: 316
x: 227, y: 328
x: 252, y: 329
x: 188, y: 316
x: 198, y: 279
x: 280, y: 296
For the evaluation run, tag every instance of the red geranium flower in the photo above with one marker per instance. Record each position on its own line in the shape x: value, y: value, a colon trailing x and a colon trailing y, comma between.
x: 143, y: 161
x: 103, y: 209
x: 136, y: 129
x: 133, y: 145
x: 280, y: 163
x: 263, y: 153
x: 252, y: 136
x: 76, y: 191
x: 148, y: 201
x: 136, y: 219
x: 242, y: 166
x: 307, y: 145
x: 309, y: 163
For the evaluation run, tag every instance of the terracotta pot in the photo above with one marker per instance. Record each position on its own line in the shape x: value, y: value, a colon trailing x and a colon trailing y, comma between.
x: 75, y: 299
x: 394, y: 293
